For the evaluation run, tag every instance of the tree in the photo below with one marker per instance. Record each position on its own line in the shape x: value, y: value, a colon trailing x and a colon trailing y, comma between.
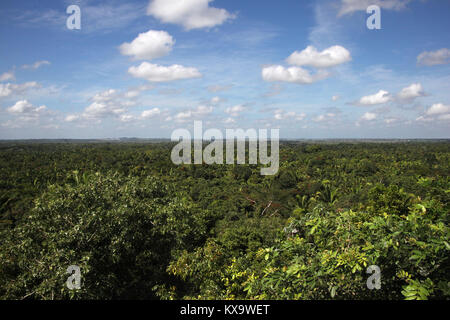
x: 121, y: 231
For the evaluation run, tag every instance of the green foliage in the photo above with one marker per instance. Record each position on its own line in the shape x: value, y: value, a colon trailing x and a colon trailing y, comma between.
x: 390, y: 199
x: 325, y: 255
x: 141, y: 227
x: 121, y: 232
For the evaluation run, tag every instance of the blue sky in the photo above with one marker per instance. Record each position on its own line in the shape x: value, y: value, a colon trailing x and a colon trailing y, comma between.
x: 145, y: 68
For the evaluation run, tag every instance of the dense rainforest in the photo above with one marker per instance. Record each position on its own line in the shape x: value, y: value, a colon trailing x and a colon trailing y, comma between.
x: 140, y: 227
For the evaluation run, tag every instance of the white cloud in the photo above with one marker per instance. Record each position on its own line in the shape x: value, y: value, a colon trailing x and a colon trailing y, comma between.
x: 5, y: 90
x: 292, y: 74
x: 411, y: 92
x: 438, y: 109
x: 437, y: 112
x: 194, y: 113
x: 7, y: 76
x: 350, y: 6
x: 104, y: 96
x: 126, y: 118
x: 235, y: 111
x: 108, y: 103
x: 149, y: 45
x: 26, y: 114
x: 71, y: 118
x: 216, y: 100
x: 51, y: 126
x: 136, y: 91
x: 146, y: 114
x: 191, y: 14
x: 202, y: 110
x: 369, y: 116
x: 183, y: 115
x: 157, y: 73
x: 25, y: 107
x: 98, y: 110
x: 390, y: 120
x: 290, y: 115
x: 329, y: 57
x: 424, y: 119
x: 10, y: 124
x: 381, y: 97
x: 150, y: 113
x: 14, y: 89
x: 229, y: 121
x: 325, y: 117
x: 431, y: 58
x: 36, y: 65
x: 335, y: 98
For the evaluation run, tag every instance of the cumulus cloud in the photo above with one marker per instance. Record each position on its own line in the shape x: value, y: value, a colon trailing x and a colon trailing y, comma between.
x: 390, y: 121
x: 235, y: 111
x: 411, y: 92
x: 369, y: 116
x: 144, y: 115
x: 71, y: 118
x: 292, y: 74
x: 98, y: 110
x: 229, y: 121
x: 15, y: 89
x: 36, y: 65
x: 309, y: 57
x: 127, y: 118
x: 406, y: 95
x: 7, y: 76
x: 202, y: 110
x: 290, y: 115
x: 25, y: 107
x: 351, y: 6
x: 432, y: 58
x: 329, y: 57
x: 109, y: 103
x: 150, y: 113
x: 380, y: 97
x: 327, y: 117
x: 188, y: 115
x: 105, y: 96
x: 216, y: 100
x: 438, y: 109
x: 437, y: 112
x: 136, y: 91
x: 157, y: 73
x: 26, y: 114
x: 149, y: 45
x: 191, y: 14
